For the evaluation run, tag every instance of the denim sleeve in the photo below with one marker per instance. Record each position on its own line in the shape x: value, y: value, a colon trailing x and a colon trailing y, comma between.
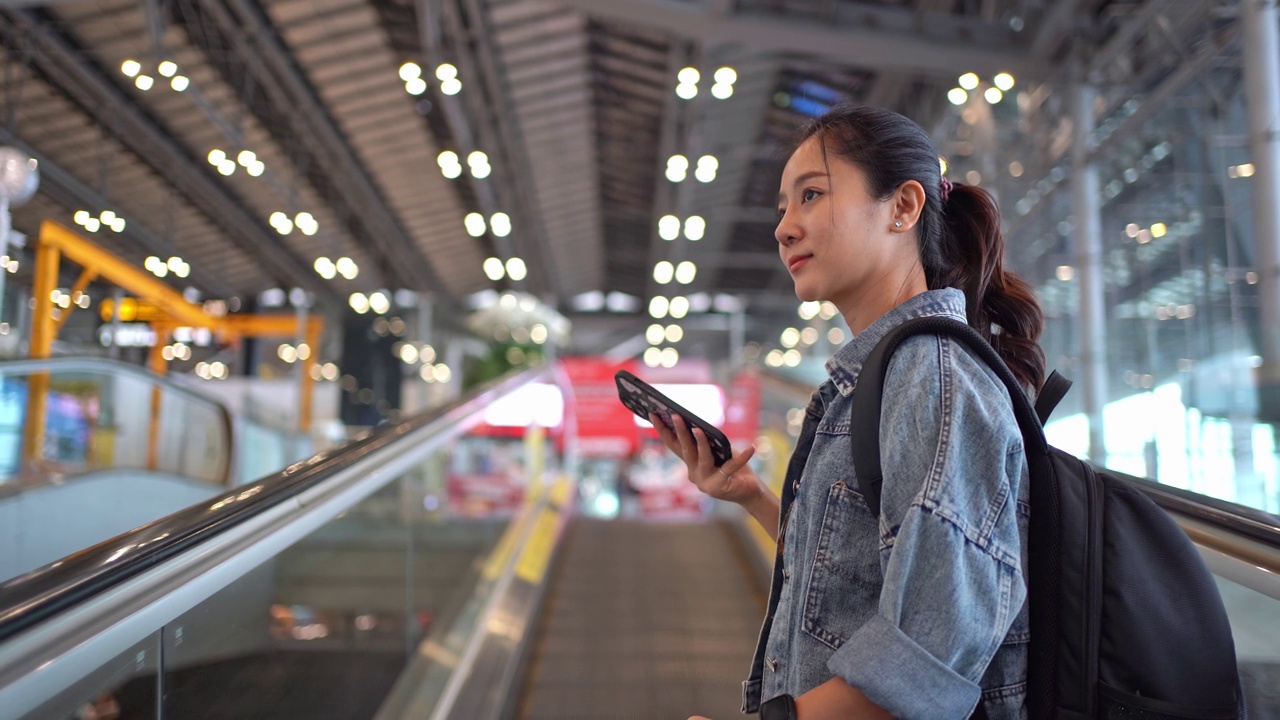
x: 950, y: 550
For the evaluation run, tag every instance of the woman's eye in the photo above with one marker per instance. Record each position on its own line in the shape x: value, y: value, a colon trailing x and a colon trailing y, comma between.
x: 810, y: 195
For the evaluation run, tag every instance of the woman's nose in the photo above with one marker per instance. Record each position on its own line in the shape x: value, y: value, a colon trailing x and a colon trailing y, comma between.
x: 787, y: 231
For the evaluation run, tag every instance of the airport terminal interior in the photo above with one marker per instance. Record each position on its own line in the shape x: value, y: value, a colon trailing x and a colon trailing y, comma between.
x: 310, y: 314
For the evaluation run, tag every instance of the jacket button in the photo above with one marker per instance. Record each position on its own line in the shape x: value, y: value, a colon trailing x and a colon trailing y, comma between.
x: 773, y: 664
x: 786, y: 573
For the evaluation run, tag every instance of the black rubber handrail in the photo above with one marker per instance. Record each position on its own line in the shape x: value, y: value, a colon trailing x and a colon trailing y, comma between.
x: 42, y: 593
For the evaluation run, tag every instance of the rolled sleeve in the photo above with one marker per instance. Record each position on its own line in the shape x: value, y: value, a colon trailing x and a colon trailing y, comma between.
x: 900, y: 676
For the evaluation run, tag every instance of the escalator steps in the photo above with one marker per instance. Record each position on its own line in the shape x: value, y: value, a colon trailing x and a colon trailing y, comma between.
x: 644, y: 620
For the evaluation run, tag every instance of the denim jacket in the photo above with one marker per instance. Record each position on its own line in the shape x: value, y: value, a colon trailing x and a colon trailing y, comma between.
x: 924, y: 608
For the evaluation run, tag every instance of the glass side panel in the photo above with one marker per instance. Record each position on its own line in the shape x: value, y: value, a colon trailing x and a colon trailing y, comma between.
x: 70, y: 420
x: 122, y: 689
x: 1255, y: 624
x: 329, y: 626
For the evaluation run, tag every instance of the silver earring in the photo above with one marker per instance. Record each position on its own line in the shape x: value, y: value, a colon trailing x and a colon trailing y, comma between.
x: 898, y: 224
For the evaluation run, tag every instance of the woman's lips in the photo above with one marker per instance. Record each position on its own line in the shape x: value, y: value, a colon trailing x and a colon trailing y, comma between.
x: 794, y: 263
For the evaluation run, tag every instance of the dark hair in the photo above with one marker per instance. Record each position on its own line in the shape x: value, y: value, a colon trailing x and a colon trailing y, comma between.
x: 960, y: 241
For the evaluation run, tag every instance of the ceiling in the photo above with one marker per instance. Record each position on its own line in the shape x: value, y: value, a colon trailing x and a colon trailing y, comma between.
x: 573, y: 102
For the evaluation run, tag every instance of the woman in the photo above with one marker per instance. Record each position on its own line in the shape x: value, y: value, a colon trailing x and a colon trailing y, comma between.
x: 921, y: 612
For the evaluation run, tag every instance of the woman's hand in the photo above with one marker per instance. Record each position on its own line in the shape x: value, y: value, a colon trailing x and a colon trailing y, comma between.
x: 732, y: 481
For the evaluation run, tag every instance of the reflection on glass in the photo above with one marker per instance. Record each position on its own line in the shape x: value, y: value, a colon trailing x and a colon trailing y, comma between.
x: 123, y: 689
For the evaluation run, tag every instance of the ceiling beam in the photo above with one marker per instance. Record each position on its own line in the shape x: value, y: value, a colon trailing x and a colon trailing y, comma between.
x: 68, y: 191
x: 259, y: 46
x: 66, y: 70
x: 878, y: 44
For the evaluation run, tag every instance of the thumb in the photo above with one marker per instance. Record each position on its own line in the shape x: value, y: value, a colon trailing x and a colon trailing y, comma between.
x: 739, y: 461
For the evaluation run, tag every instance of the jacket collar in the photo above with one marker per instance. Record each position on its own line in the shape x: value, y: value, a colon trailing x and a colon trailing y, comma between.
x: 845, y: 366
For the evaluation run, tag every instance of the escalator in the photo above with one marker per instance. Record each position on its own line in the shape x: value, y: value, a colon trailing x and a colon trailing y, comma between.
x: 342, y: 587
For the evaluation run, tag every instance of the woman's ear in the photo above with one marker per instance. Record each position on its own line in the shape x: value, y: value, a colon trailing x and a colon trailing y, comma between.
x: 907, y: 203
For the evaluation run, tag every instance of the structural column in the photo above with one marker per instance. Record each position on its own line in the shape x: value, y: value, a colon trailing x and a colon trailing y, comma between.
x: 1087, y: 237
x: 1262, y: 88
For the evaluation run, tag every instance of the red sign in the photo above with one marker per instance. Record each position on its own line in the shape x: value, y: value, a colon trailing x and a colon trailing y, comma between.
x: 605, y: 427
x: 742, y: 409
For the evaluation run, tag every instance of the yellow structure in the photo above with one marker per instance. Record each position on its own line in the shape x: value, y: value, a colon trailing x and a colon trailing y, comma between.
x: 167, y: 310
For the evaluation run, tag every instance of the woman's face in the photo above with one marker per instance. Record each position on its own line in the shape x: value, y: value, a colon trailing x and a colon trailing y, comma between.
x: 837, y: 241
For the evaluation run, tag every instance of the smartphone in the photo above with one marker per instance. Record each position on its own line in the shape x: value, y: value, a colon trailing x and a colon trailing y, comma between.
x: 641, y: 398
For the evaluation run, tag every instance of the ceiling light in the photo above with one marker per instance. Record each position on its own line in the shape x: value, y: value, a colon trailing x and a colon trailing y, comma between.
x: 379, y: 302
x: 790, y: 337
x: 474, y: 223
x: 685, y: 272
x: 652, y: 357
x: 1004, y: 81
x: 167, y: 68
x: 410, y: 70
x: 720, y: 91
x: 663, y: 272
x: 447, y: 158
x: 670, y: 356
x: 676, y: 174
x: 709, y: 161
x: 993, y: 95
x: 216, y: 156
x: 726, y: 76
x: 957, y: 96
x: 969, y: 81
x: 689, y: 76
x: 92, y: 224
x: 809, y: 310
x: 674, y: 333
x: 324, y: 268
x: 226, y: 167
x: 441, y: 373
x: 81, y: 217
x: 144, y: 82
x: 705, y: 174
x: 256, y: 169
x: 1132, y: 230
x: 679, y: 307
x: 131, y: 68
x: 679, y: 161
x: 174, y: 264
x: 835, y: 336
x: 476, y: 157
x: 446, y: 72
x: 686, y: 91
x: 415, y: 86
x: 669, y: 227
x: 500, y: 223
x: 180, y: 83
x: 659, y: 306
x: 516, y: 269
x: 493, y: 269
x: 452, y: 86
x: 246, y: 158
x: 791, y: 358
x: 451, y: 171
x: 694, y: 227
x: 655, y: 334
x: 347, y: 268
x: 480, y: 172
x: 118, y: 224
x: 359, y: 303
x: 1159, y: 230
x: 1065, y: 272
x: 307, y: 223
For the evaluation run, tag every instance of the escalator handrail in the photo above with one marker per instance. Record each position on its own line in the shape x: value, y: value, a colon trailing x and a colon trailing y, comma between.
x: 42, y: 593
x: 108, y: 366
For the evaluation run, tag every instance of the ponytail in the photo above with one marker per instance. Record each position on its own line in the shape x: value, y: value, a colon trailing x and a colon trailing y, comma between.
x: 1000, y: 306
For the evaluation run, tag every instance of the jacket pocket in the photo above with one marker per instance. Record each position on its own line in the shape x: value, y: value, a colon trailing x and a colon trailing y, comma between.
x: 1114, y: 703
x: 843, y: 587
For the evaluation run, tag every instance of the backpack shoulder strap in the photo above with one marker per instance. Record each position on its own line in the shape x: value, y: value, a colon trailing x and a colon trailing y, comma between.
x: 865, y: 416
x: 1051, y: 393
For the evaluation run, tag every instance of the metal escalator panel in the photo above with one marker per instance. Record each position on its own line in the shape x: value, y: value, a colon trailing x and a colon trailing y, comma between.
x: 644, y: 620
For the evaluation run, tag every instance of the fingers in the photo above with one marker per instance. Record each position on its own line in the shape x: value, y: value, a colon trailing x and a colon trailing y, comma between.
x: 664, y: 434
x: 687, y: 444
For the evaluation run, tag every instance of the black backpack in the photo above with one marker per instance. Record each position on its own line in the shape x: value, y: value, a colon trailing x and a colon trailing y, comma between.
x: 1126, y: 621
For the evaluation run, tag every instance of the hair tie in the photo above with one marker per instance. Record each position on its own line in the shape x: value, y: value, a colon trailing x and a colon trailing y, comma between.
x: 946, y: 188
